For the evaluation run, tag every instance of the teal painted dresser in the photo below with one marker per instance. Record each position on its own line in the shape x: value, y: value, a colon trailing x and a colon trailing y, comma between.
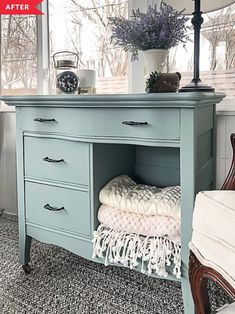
x: 68, y: 147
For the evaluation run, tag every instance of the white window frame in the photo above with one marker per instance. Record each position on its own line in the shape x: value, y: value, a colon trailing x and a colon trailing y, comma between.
x: 0, y: 57
x: 136, y: 81
x: 43, y: 49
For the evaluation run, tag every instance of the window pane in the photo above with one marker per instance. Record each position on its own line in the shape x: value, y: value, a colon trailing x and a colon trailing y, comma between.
x: 82, y: 26
x: 18, y: 55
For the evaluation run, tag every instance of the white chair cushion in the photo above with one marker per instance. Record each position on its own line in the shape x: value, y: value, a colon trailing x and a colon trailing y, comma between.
x: 213, y: 239
x: 227, y: 309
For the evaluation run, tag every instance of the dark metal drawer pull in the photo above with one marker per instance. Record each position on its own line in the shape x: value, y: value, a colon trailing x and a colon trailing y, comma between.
x: 53, y: 209
x: 134, y: 123
x: 44, y: 120
x: 47, y: 159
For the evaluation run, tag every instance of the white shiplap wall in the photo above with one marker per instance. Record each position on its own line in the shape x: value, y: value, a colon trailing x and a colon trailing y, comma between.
x: 8, y: 193
x: 225, y: 126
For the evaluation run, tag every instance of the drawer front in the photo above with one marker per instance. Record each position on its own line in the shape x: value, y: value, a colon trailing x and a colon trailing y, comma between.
x: 161, y: 123
x: 57, y: 159
x: 74, y: 217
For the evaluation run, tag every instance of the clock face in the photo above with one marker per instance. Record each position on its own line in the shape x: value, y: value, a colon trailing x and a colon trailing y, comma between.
x: 67, y: 82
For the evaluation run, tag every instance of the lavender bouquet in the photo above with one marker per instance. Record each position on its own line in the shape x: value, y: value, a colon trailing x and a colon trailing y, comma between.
x: 161, y: 28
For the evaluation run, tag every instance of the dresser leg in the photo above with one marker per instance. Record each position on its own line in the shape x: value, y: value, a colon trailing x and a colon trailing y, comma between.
x: 25, y: 244
x: 26, y: 269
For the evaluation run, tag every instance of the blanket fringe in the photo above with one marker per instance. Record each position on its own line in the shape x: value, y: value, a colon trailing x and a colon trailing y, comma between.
x: 153, y: 253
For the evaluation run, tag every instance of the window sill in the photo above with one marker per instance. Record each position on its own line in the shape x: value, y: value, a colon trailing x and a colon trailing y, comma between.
x: 7, y: 110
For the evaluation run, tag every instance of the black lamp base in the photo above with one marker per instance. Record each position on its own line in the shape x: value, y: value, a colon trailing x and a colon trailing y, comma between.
x: 197, y: 86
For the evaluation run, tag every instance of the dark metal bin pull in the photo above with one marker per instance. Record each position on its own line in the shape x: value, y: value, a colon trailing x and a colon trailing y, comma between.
x: 44, y: 120
x: 53, y: 209
x: 47, y: 159
x: 134, y: 123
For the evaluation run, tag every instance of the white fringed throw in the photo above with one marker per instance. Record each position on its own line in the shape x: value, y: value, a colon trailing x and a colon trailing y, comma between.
x: 131, y: 250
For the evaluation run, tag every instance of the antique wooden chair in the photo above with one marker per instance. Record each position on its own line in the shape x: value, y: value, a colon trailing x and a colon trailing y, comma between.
x: 212, y: 248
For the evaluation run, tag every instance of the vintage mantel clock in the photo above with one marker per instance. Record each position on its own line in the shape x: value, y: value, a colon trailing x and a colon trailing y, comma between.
x: 67, y: 80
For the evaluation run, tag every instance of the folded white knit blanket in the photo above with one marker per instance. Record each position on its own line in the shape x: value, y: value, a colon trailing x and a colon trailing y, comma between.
x: 148, y: 254
x: 158, y: 226
x: 124, y: 194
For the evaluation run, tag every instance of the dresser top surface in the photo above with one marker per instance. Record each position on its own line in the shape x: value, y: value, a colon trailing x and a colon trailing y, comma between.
x: 182, y: 100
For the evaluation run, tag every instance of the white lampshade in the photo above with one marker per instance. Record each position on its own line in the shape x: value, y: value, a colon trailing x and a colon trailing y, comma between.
x: 206, y: 5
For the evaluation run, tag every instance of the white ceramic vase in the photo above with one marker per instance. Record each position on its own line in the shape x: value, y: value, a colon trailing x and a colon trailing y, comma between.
x: 155, y: 60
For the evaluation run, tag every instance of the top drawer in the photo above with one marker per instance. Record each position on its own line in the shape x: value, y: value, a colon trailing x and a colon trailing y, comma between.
x: 160, y: 123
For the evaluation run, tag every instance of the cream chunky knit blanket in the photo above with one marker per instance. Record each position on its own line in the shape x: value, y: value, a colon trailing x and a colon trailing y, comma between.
x: 125, y: 194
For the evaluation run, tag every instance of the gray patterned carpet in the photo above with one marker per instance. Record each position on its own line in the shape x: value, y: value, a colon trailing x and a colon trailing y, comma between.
x: 61, y: 282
